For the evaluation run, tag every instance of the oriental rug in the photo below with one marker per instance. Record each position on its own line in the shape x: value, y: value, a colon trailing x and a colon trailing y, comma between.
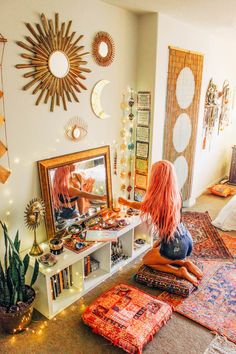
x: 207, y: 242
x: 213, y: 304
x: 220, y: 345
x: 230, y: 242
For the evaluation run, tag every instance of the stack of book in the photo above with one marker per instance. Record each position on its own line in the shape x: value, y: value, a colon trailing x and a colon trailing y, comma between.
x: 90, y: 265
x: 60, y: 281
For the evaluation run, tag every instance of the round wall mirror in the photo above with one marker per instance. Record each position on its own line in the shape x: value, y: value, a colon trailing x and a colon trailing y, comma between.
x: 103, y: 49
x: 182, y: 132
x: 185, y: 88
x: 181, y: 168
x: 59, y: 64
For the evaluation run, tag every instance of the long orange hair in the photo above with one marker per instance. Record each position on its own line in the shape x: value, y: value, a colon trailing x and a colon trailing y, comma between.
x: 61, y: 181
x: 162, y: 202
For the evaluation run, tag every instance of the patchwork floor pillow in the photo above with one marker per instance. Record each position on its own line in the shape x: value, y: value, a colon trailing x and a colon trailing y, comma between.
x: 164, y: 281
x: 127, y: 317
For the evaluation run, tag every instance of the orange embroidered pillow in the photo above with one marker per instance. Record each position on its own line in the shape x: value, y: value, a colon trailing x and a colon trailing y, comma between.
x: 222, y: 190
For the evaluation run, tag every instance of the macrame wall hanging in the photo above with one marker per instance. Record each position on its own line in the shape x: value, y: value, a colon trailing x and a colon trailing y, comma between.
x: 4, y: 171
x: 211, y: 110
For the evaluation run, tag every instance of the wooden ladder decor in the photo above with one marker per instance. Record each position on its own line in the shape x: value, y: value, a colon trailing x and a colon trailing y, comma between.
x: 4, y: 172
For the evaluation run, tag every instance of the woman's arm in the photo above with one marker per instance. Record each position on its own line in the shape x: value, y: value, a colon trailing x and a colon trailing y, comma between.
x: 128, y: 203
x: 74, y: 192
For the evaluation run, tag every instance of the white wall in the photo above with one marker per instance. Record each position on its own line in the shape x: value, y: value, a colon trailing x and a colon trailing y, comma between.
x: 33, y: 132
x: 219, y: 63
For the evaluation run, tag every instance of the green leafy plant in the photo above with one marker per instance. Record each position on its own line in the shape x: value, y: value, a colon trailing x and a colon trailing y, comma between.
x: 12, y: 272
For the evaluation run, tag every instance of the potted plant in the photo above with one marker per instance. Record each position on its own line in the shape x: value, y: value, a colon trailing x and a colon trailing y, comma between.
x: 16, y: 298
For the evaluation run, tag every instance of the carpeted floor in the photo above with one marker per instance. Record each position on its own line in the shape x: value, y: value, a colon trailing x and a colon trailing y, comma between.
x: 66, y: 334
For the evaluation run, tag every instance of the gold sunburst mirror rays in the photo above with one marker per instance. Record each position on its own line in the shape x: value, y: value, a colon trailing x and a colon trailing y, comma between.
x: 57, y: 62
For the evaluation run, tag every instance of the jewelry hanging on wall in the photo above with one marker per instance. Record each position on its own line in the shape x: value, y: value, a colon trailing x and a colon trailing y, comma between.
x: 224, y: 118
x: 131, y: 145
x: 210, y: 111
x: 4, y: 172
x: 127, y: 145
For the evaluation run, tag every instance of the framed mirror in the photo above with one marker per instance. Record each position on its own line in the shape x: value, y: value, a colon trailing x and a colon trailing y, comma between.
x: 75, y: 187
x: 103, y: 49
x: 56, y: 62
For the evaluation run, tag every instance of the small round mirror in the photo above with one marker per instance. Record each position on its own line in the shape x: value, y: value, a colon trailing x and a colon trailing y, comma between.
x: 59, y: 64
x: 185, y: 88
x: 103, y: 49
x: 76, y: 132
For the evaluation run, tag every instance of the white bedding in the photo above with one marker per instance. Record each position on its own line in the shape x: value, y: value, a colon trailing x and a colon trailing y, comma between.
x: 226, y: 219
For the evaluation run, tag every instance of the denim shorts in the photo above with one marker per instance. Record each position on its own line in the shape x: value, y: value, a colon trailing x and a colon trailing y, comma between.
x: 179, y: 247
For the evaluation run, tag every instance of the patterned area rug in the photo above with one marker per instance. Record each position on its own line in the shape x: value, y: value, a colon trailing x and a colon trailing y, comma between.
x: 208, y: 243
x: 220, y: 345
x: 230, y: 242
x: 213, y: 304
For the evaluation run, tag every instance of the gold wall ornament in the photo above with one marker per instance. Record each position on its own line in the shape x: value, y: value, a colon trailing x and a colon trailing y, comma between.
x: 56, y: 61
x: 96, y: 99
x: 34, y: 215
x: 76, y: 129
x: 103, y: 49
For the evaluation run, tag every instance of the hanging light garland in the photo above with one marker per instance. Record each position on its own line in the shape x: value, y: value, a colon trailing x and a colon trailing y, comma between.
x: 4, y: 172
x: 127, y: 146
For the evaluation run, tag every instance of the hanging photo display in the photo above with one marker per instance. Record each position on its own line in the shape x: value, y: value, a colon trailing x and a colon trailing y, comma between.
x: 142, y: 150
x: 139, y: 194
x: 142, y: 134
x: 141, y: 166
x: 143, y: 118
x: 141, y: 181
x: 144, y: 100
x: 142, y: 144
x: 226, y: 97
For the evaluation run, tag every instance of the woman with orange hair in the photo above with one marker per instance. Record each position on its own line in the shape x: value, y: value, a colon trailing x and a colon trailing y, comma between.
x: 162, y: 206
x: 67, y: 195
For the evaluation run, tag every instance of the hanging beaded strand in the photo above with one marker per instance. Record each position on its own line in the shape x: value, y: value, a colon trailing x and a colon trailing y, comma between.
x: 4, y: 173
x: 123, y: 146
x: 131, y: 145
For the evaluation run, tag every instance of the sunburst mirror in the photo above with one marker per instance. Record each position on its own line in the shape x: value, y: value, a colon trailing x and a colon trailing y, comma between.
x: 103, y: 49
x: 56, y: 61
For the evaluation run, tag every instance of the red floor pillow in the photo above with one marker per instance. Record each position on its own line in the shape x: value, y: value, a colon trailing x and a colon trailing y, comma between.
x: 164, y: 281
x: 127, y: 317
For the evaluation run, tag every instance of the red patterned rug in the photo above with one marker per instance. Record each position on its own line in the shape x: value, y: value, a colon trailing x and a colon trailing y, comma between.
x: 213, y: 304
x: 230, y: 242
x: 207, y: 242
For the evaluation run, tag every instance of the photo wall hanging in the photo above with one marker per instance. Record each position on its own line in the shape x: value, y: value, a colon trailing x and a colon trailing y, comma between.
x: 142, y: 144
x: 4, y: 171
x: 182, y: 107
x: 56, y: 61
x: 226, y: 105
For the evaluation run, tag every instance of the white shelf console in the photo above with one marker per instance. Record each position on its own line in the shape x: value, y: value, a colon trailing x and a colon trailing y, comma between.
x: 101, y: 251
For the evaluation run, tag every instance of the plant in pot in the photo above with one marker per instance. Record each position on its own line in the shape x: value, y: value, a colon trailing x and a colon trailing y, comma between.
x: 16, y: 298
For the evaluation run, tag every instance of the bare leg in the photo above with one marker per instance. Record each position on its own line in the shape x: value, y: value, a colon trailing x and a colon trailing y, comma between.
x: 154, y: 260
x: 181, y: 272
x: 191, y: 267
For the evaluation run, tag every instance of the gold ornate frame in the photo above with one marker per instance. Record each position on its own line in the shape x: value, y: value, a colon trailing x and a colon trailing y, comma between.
x: 47, y: 39
x: 45, y: 165
x: 98, y: 39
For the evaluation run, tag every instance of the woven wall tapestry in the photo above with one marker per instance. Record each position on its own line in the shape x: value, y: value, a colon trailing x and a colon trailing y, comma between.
x: 182, y: 107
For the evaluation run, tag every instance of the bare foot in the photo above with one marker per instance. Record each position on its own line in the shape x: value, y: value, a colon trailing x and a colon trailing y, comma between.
x: 183, y: 272
x: 193, y: 269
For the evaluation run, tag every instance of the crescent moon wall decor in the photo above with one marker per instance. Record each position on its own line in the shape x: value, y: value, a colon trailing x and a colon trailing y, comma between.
x: 96, y: 99
x: 56, y: 62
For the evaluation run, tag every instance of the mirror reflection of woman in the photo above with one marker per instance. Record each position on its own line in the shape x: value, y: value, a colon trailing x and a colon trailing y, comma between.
x: 68, y: 194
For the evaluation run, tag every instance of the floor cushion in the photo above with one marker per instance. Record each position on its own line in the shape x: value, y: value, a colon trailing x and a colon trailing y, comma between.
x: 164, y: 281
x: 127, y: 317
